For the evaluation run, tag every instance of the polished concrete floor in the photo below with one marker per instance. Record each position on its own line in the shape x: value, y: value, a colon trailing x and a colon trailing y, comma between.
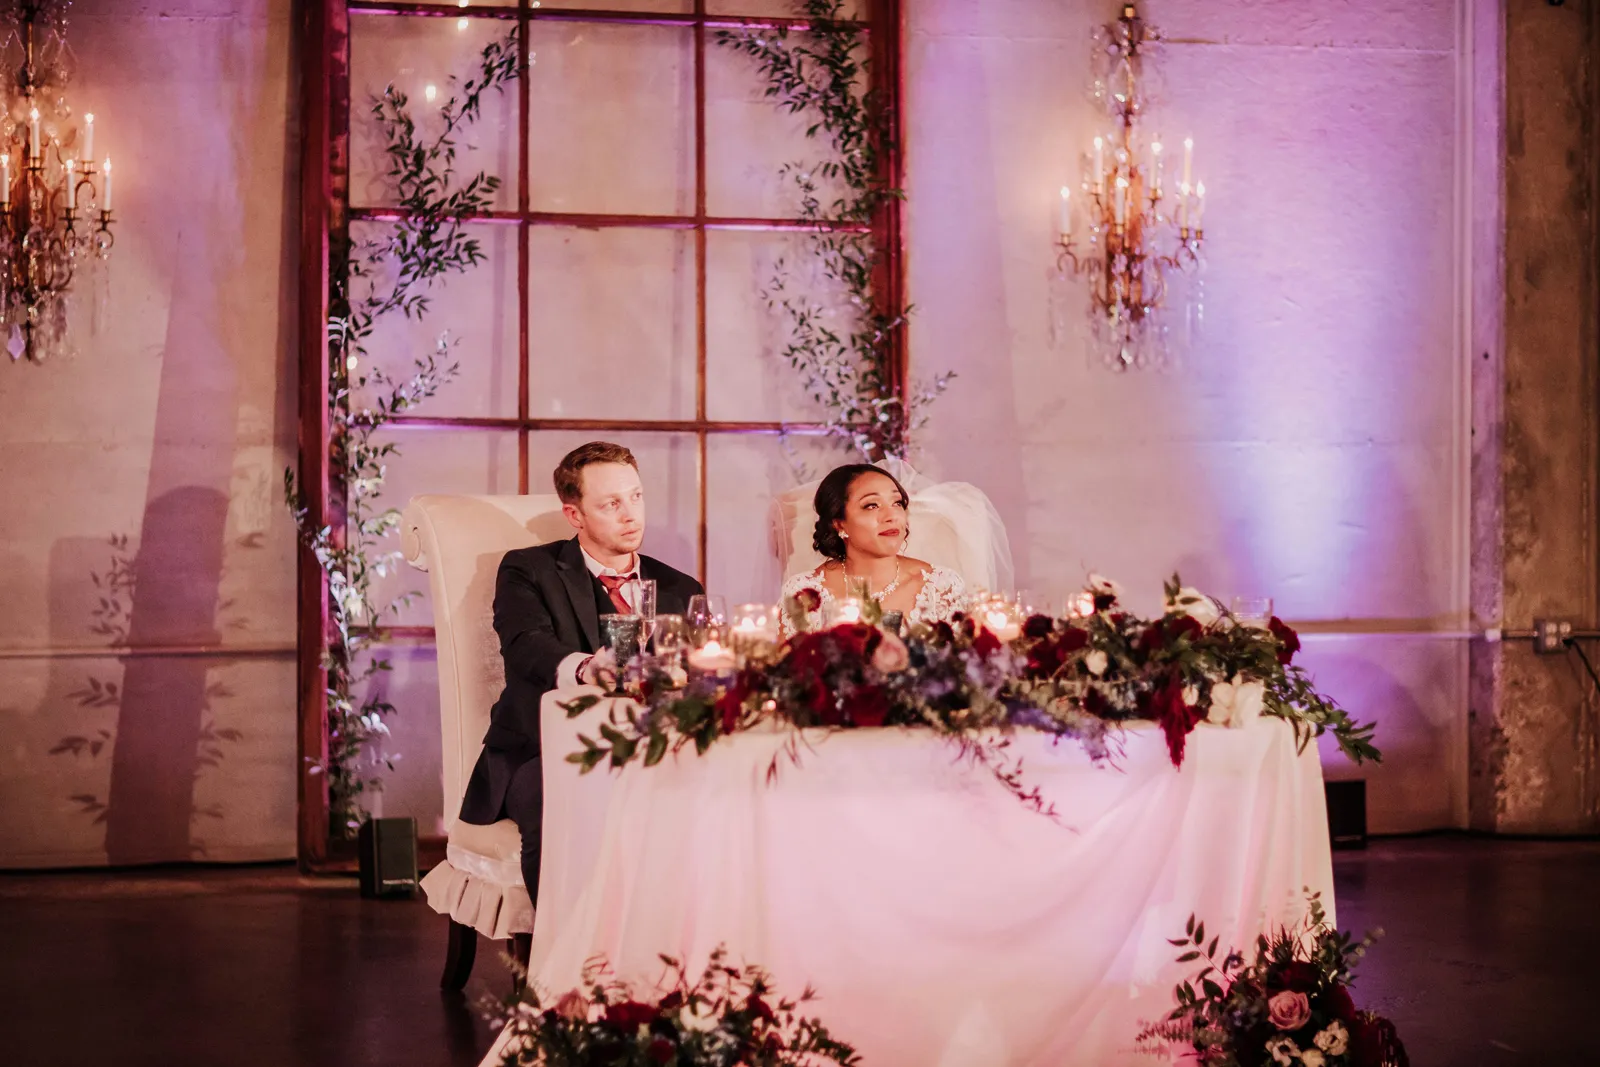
x: 1491, y: 956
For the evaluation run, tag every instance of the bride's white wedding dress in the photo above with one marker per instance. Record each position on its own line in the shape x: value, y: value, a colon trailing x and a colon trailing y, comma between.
x: 943, y: 593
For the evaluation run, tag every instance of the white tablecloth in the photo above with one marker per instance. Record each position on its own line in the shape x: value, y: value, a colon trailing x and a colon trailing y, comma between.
x: 942, y: 922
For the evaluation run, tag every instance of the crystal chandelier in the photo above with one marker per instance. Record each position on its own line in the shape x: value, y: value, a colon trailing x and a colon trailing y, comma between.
x: 55, y: 195
x: 1137, y: 229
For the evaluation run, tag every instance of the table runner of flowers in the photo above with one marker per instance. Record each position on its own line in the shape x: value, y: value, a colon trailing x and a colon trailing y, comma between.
x: 1080, y: 677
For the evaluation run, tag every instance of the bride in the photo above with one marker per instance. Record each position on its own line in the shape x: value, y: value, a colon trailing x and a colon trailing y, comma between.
x: 861, y: 531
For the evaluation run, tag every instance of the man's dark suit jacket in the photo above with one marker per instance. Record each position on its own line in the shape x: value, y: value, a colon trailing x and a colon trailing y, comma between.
x: 546, y: 606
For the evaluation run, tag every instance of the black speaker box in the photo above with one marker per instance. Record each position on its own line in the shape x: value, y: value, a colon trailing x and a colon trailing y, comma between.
x: 388, y: 851
x: 1347, y: 813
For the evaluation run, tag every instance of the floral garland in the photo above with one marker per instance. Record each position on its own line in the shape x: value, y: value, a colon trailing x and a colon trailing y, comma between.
x: 1077, y: 677
x: 729, y: 1015
x: 1290, y: 1004
x: 374, y: 279
x: 819, y: 72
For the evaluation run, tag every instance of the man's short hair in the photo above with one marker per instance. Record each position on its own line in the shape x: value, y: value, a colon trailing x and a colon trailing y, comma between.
x: 569, y: 472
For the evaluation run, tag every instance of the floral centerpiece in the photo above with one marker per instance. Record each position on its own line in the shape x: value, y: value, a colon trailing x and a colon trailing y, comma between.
x: 1289, y: 1005
x: 1077, y: 677
x: 729, y: 1015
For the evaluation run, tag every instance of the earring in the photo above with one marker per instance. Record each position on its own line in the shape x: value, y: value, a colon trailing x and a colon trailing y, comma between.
x: 844, y: 535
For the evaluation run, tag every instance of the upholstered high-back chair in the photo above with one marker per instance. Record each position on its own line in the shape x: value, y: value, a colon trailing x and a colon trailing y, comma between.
x: 459, y: 541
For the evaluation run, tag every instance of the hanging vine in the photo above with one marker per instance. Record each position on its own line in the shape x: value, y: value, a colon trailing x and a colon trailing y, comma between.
x: 820, y: 73
x: 374, y: 279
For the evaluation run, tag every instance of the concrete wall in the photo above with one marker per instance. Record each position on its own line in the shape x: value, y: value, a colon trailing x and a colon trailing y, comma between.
x: 169, y: 427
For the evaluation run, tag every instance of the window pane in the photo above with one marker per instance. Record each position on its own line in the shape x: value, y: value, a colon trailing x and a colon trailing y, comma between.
x: 745, y: 472
x: 412, y: 54
x: 747, y: 376
x: 612, y: 127
x: 438, y: 461
x: 611, y: 318
x: 477, y: 310
x: 850, y: 9
x: 667, y: 7
x: 749, y: 138
x: 667, y: 463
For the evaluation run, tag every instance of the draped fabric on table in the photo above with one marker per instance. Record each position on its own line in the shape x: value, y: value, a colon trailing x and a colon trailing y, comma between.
x: 942, y: 922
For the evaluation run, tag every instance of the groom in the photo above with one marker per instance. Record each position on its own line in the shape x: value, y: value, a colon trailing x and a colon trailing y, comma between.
x: 547, y: 606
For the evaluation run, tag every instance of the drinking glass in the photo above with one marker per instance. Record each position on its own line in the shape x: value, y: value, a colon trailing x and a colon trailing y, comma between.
x: 645, y: 608
x: 1252, y: 611
x: 620, y: 633
x: 669, y: 638
x: 705, y: 614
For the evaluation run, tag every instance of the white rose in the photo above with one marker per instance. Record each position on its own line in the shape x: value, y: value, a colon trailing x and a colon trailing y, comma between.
x: 1312, y: 1058
x: 702, y: 1019
x: 1195, y: 604
x: 1248, y: 700
x: 1220, y: 713
x: 1334, y: 1040
x: 1100, y: 585
x: 1283, y: 1050
x: 1236, y: 703
x: 1097, y: 662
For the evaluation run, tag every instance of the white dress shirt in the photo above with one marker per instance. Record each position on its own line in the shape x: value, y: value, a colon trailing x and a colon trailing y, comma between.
x: 567, y: 672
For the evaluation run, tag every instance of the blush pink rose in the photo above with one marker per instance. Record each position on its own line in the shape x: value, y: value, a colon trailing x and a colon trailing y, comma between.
x: 1289, y: 1010
x: 891, y: 655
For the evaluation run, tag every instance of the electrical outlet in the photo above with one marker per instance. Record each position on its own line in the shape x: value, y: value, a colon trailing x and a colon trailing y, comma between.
x: 1550, y: 636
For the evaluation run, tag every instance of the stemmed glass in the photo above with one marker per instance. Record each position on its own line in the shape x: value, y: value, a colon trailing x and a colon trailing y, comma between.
x: 646, y: 609
x: 705, y: 614
x: 669, y: 639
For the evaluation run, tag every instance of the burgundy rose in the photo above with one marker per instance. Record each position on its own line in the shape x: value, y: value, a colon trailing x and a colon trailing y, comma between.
x: 1046, y: 658
x: 1176, y: 717
x: 867, y: 705
x: 1298, y: 975
x: 1288, y: 640
x: 1375, y: 1043
x: 1288, y: 1010
x: 1038, y: 626
x: 1072, y: 639
x: 985, y: 643
x: 761, y: 1009
x: 944, y: 632
x: 629, y: 1015
x: 808, y: 599
x: 1336, y: 1003
x: 1104, y: 601
x: 661, y: 1050
x: 730, y: 705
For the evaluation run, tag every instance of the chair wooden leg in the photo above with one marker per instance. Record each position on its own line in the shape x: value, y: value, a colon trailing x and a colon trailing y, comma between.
x: 521, y: 951
x: 459, y: 957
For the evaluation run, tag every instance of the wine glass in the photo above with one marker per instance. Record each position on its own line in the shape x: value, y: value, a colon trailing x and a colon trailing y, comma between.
x: 669, y: 638
x: 705, y: 614
x: 646, y: 609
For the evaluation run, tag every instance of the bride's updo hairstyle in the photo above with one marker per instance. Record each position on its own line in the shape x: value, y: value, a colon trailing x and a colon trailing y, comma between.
x: 832, y: 496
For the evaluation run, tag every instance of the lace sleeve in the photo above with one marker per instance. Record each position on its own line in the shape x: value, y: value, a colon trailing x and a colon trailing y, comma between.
x: 795, y: 583
x: 943, y: 594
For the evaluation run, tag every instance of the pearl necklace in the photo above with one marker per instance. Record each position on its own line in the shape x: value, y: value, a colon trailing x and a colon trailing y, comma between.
x: 891, y: 587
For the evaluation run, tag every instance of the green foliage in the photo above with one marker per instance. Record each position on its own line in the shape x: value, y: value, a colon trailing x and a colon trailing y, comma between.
x: 372, y: 280
x: 822, y: 73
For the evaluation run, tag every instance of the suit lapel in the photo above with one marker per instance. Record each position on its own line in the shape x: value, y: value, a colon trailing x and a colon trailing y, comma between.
x: 580, y: 590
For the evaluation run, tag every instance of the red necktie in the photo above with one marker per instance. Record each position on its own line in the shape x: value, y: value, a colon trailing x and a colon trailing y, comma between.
x: 614, y: 584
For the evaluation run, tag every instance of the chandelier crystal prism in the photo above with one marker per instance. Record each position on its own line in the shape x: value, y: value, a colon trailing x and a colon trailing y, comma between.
x: 1138, y: 228
x: 55, y: 194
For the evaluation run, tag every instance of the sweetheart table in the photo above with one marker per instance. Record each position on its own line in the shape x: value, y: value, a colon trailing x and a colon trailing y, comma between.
x: 942, y: 922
